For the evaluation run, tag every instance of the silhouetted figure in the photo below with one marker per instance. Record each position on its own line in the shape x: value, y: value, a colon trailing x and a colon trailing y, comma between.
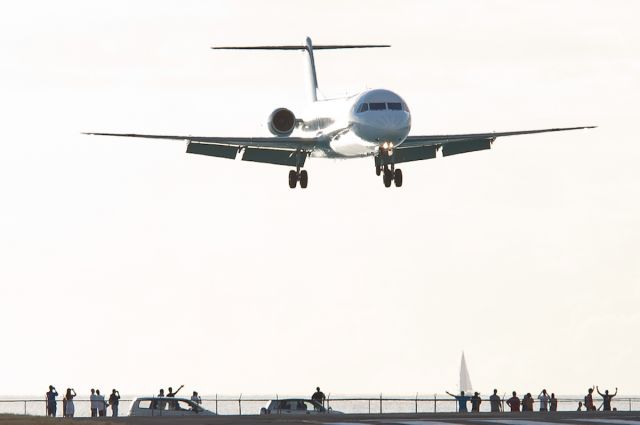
x: 514, y: 402
x: 544, y: 401
x: 606, y: 398
x: 496, y: 405
x: 196, y: 398
x: 462, y: 401
x: 173, y: 405
x: 553, y: 403
x: 93, y: 399
x: 475, y: 402
x: 52, y: 404
x: 69, y: 408
x: 527, y: 403
x: 579, y: 406
x: 159, y: 404
x: 114, y: 401
x: 588, y: 400
x: 102, y: 404
x: 318, y: 396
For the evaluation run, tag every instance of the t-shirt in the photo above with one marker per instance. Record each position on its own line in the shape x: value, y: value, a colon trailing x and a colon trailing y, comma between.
x: 514, y: 403
x: 544, y: 399
x: 94, y: 401
x: 101, y: 403
x: 462, y: 402
x: 51, y: 396
x: 475, y: 403
x: 588, y: 401
x: 495, y: 403
x: 114, y: 399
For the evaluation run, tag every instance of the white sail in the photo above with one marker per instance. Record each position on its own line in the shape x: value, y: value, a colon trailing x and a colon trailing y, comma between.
x: 465, y: 381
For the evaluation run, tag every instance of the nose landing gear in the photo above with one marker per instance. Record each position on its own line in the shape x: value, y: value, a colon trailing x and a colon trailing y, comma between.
x: 386, y: 167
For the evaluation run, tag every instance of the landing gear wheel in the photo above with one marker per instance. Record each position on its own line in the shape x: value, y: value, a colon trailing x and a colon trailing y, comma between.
x: 387, y: 177
x: 293, y: 179
x: 378, y: 170
x: 397, y: 177
x: 304, y: 179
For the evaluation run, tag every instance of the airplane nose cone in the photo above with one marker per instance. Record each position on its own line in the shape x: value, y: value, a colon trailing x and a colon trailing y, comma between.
x: 385, y: 127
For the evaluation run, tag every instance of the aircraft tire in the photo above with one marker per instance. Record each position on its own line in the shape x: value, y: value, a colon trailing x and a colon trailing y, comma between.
x: 293, y: 179
x: 304, y: 179
x: 397, y: 177
x: 387, y: 177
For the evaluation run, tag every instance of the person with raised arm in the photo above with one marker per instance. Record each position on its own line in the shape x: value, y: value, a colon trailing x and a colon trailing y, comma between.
x: 462, y: 401
x: 606, y: 398
x: 544, y: 401
x: 52, y: 405
x: 588, y: 400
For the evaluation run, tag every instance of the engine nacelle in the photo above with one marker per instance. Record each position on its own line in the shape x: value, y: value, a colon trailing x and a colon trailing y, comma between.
x: 282, y: 122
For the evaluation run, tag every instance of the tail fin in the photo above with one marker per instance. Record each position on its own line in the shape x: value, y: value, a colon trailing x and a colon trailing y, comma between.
x: 309, y: 47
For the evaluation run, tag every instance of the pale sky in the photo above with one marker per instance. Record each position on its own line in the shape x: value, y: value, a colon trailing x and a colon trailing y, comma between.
x: 130, y: 264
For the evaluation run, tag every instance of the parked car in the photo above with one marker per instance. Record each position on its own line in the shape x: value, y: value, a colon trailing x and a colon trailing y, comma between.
x: 295, y: 406
x: 166, y: 406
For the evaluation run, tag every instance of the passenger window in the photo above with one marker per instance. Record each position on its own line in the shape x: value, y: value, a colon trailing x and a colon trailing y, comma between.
x: 380, y: 106
x: 144, y: 404
x: 394, y: 106
x: 363, y: 108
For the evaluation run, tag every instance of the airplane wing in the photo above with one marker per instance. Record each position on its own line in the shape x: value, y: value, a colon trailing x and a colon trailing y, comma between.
x: 271, y: 150
x: 416, y: 148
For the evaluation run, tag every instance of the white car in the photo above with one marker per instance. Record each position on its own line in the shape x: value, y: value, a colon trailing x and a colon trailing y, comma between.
x: 166, y: 406
x: 295, y: 406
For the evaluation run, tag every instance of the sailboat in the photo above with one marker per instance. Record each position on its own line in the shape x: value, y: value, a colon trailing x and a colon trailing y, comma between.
x: 465, y: 381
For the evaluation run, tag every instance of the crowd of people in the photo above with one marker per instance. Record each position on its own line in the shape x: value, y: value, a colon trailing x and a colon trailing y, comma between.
x: 98, y: 403
x: 547, y: 403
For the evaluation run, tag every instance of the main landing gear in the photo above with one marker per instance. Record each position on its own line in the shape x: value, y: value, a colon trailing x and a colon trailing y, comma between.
x: 298, y: 176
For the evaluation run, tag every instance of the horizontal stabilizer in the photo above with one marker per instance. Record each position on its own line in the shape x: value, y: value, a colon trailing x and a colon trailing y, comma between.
x: 302, y: 47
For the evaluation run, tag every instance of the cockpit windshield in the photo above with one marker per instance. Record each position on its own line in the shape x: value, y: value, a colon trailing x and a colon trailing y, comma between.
x: 382, y: 106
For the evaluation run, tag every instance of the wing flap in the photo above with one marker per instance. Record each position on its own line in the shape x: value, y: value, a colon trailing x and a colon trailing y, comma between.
x: 274, y: 156
x: 220, y: 151
x: 414, y: 154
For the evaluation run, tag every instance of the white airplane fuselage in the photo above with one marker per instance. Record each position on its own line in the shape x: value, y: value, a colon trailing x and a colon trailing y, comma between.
x: 358, y: 125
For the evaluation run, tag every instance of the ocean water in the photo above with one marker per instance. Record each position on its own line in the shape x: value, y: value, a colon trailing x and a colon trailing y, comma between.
x: 250, y: 405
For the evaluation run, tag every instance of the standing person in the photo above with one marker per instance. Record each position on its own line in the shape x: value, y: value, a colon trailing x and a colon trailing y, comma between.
x: 527, y: 403
x: 606, y: 398
x: 544, y: 400
x: 102, y: 404
x: 159, y: 404
x: 94, y: 403
x: 114, y: 400
x: 588, y: 400
x: 553, y: 402
x: 69, y: 408
x: 173, y: 405
x: 462, y: 401
x: 579, y: 406
x: 514, y: 402
x: 196, y: 398
x: 496, y: 406
x: 52, y: 404
x: 475, y: 402
x: 318, y: 396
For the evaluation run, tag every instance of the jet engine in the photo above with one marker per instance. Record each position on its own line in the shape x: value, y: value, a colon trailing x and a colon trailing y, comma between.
x: 282, y: 122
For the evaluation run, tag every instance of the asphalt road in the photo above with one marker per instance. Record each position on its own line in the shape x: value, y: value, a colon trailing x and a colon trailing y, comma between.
x: 534, y: 418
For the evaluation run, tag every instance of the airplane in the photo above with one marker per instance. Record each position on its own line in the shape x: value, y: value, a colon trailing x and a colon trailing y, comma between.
x: 373, y: 123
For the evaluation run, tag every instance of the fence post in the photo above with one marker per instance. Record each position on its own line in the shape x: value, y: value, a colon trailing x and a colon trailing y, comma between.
x: 240, y: 404
x: 369, y: 406
x: 216, y: 404
x: 329, y: 401
x: 381, y: 403
x: 25, y: 407
x: 435, y: 403
x: 416, y: 403
x: 629, y: 405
